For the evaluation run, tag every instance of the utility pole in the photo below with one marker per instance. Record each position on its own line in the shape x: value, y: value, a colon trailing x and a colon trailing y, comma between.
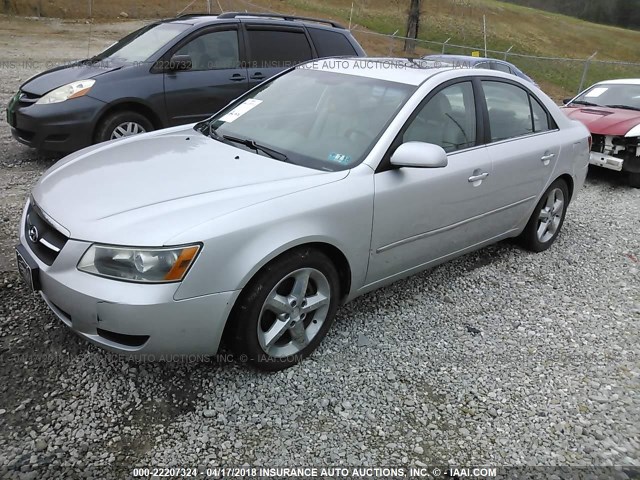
x: 413, y: 25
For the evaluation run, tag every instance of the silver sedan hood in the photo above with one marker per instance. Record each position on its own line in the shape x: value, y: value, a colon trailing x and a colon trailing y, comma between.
x: 147, y: 189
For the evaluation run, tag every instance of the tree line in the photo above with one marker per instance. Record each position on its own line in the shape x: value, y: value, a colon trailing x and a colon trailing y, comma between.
x: 622, y: 13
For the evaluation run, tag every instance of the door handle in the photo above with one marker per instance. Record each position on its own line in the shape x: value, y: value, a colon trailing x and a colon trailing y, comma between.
x: 237, y: 77
x: 478, y: 178
x: 547, y: 158
x: 257, y: 76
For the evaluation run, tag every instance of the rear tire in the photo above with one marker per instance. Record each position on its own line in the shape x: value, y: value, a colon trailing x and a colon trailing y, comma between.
x: 634, y: 179
x: 285, y: 311
x: 547, y: 218
x: 122, y: 124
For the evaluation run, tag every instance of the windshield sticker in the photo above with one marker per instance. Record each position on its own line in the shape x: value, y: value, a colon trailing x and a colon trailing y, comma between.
x: 240, y: 110
x: 596, y: 92
x: 339, y: 157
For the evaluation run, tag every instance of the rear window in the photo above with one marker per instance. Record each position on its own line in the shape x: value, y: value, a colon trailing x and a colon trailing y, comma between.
x: 331, y: 44
x: 277, y: 48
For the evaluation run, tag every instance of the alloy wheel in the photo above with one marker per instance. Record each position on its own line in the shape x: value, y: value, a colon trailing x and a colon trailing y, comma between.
x: 550, y: 216
x: 294, y: 312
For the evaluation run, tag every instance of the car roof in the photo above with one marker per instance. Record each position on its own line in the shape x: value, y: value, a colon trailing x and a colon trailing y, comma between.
x: 464, y: 57
x: 204, y: 18
x: 621, y: 81
x: 400, y: 70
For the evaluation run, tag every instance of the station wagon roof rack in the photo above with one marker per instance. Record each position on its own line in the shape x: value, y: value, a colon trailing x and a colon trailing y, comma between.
x: 276, y: 15
x: 187, y: 15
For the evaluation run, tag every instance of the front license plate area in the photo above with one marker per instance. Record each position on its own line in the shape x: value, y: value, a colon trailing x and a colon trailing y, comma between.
x: 28, y: 268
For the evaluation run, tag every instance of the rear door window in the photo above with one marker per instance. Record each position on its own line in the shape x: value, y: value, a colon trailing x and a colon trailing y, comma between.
x: 501, y: 67
x: 540, y: 116
x: 329, y: 44
x: 509, y: 110
x: 277, y: 48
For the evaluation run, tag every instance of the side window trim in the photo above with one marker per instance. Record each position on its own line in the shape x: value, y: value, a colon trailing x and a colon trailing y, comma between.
x: 385, y: 164
x: 533, y: 121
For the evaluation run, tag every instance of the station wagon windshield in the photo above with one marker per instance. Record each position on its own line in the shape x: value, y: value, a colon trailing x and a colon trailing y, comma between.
x: 141, y: 44
x: 319, y: 119
x: 611, y: 95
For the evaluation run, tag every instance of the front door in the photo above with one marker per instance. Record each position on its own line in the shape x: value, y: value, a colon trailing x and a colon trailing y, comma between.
x: 422, y: 215
x: 216, y: 77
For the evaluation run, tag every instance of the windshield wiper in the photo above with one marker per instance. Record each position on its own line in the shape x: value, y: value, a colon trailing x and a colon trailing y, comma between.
x: 588, y: 104
x: 628, y: 107
x: 247, y: 142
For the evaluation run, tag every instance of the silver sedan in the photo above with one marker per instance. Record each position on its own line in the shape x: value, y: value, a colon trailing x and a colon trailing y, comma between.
x: 333, y: 179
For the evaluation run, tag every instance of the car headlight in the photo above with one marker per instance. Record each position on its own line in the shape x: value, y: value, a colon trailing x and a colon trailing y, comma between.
x: 634, y: 132
x: 145, y: 265
x: 67, y: 92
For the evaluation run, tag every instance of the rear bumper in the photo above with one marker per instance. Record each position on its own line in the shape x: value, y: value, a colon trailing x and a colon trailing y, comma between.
x: 60, y: 127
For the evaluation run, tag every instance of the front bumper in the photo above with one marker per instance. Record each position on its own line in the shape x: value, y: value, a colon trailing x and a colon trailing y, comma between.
x: 142, y: 320
x: 606, y: 161
x: 59, y: 127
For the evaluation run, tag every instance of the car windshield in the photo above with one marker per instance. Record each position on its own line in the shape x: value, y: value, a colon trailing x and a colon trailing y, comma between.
x: 611, y: 95
x: 319, y: 119
x: 141, y: 44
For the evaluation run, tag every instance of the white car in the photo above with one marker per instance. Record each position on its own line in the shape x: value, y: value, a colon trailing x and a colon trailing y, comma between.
x: 324, y: 183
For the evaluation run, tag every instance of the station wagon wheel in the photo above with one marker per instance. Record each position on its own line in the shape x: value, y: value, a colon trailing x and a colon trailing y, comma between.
x: 286, y: 310
x: 122, y: 124
x: 547, y: 218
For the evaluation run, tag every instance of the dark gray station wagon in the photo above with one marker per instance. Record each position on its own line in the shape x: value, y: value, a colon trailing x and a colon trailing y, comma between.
x: 168, y: 73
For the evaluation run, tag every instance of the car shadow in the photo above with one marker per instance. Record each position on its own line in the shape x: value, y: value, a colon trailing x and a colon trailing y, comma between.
x: 606, y: 177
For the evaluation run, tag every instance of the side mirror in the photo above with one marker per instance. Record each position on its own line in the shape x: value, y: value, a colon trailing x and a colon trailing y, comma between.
x: 180, y: 63
x: 566, y: 101
x: 419, y: 155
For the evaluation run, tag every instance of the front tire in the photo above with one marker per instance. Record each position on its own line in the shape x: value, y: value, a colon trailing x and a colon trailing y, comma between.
x: 547, y: 219
x: 286, y: 310
x: 634, y: 179
x: 122, y: 124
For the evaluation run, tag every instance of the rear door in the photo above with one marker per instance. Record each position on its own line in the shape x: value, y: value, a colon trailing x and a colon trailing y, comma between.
x: 217, y: 75
x: 524, y: 144
x: 273, y: 48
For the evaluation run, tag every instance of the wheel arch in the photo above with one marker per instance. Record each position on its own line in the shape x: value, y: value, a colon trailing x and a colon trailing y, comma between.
x: 129, y: 105
x: 338, y: 258
x: 568, y: 179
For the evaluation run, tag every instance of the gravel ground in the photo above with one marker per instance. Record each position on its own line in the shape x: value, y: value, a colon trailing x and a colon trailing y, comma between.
x: 501, y: 357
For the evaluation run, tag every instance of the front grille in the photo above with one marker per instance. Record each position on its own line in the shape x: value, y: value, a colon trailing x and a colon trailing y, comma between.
x: 25, y: 98
x: 42, y: 237
x: 25, y: 134
x: 121, y: 338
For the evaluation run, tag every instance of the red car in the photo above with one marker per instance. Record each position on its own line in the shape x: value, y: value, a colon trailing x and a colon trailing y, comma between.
x: 611, y: 111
